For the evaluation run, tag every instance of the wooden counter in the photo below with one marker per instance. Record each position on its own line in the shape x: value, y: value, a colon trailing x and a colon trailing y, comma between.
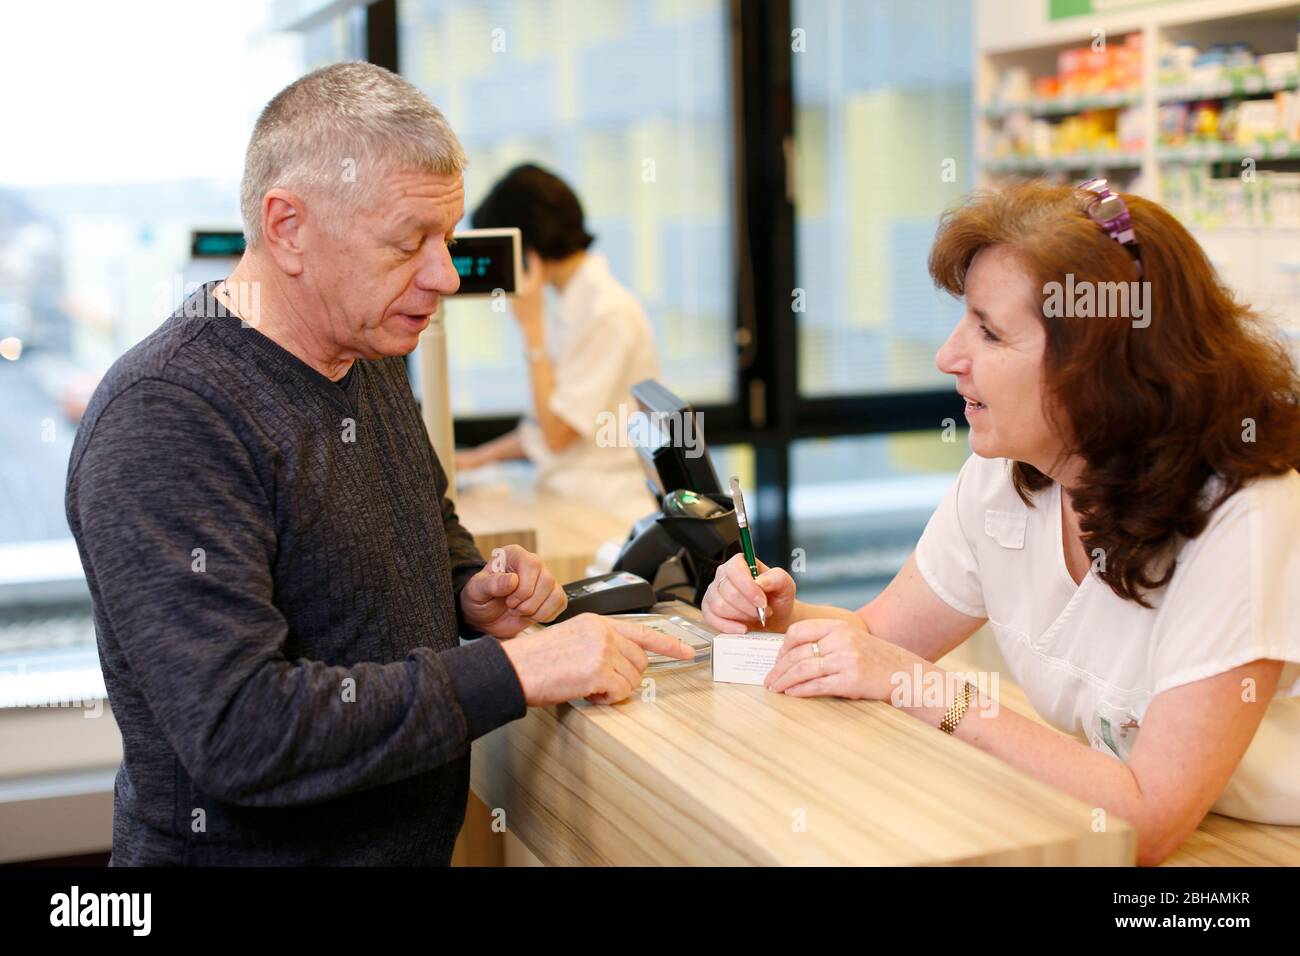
x: 704, y: 773
x: 723, y: 774
x: 714, y: 774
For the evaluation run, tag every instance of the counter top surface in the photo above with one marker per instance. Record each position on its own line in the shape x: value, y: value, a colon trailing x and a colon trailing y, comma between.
x: 692, y: 772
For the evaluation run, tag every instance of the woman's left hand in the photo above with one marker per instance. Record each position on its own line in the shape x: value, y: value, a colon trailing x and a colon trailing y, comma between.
x: 826, y: 658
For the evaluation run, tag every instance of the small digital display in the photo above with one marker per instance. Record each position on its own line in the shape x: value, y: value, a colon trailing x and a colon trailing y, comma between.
x: 205, y: 244
x: 486, y: 260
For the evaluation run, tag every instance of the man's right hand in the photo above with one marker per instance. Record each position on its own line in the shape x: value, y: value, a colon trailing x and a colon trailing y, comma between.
x: 731, y: 603
x: 589, y: 656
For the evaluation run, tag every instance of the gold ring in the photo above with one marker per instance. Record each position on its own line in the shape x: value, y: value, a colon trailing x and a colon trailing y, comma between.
x: 817, y: 649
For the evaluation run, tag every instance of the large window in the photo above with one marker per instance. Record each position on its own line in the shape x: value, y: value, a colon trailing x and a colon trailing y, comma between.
x: 628, y: 101
x: 635, y: 103
x: 859, y: 504
x: 883, y: 143
x: 110, y: 168
x: 883, y: 134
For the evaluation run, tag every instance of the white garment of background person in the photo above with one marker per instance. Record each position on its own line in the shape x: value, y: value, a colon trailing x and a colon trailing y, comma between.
x: 600, y: 346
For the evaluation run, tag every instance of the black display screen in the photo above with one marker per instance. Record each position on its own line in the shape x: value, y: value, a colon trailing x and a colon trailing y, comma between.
x: 208, y: 244
x: 484, y: 263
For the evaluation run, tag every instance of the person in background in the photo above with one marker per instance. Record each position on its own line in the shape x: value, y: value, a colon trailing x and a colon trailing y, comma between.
x: 582, y: 370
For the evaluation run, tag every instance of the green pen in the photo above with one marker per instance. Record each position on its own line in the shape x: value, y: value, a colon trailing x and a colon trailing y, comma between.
x: 738, y: 502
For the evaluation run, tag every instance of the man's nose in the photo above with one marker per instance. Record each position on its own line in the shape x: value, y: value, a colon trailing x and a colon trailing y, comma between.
x: 951, y: 359
x: 438, y: 272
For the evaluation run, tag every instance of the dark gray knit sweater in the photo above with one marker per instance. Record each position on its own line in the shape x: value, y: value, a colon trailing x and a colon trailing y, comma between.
x: 276, y: 576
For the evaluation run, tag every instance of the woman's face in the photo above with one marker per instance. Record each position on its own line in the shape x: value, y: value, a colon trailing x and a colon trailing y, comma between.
x: 996, y: 355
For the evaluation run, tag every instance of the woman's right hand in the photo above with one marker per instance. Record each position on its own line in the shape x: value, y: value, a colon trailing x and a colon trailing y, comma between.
x: 732, y: 600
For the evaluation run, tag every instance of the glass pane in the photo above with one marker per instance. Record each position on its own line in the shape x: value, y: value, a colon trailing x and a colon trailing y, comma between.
x: 883, y: 136
x: 95, y: 253
x: 858, y: 506
x: 627, y: 101
x: 334, y: 40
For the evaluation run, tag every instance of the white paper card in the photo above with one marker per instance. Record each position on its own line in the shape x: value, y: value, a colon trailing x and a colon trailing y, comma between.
x: 745, y: 658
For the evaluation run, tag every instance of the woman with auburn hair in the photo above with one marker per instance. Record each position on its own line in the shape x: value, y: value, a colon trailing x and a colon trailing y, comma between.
x: 1128, y: 525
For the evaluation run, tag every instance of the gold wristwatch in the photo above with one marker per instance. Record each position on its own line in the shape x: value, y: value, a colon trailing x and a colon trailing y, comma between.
x: 952, y: 717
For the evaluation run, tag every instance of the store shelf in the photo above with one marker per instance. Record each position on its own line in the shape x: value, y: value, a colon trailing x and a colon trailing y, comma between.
x: 1029, y: 164
x: 1268, y: 27
x: 1247, y: 226
x: 1289, y: 234
x: 1227, y: 152
x: 1066, y: 104
x: 1234, y: 87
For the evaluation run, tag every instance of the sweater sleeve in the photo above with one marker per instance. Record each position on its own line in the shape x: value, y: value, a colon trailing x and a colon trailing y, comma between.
x: 178, y: 541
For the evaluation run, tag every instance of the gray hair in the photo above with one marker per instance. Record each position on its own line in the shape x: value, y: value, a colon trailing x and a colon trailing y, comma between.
x: 333, y: 131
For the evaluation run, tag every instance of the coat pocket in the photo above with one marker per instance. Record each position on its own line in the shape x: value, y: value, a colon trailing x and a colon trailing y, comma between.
x: 1006, y: 528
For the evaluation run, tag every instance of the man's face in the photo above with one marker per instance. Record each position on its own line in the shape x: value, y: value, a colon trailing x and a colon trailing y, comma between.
x: 378, y: 283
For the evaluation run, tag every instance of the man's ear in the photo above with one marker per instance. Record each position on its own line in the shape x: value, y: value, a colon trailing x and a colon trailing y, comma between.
x: 283, y: 217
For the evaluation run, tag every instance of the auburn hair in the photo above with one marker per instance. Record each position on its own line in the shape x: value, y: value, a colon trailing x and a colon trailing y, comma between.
x: 1205, y: 389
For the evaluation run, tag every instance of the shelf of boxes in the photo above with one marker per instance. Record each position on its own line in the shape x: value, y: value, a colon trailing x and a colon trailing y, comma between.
x: 1195, y: 104
x: 1225, y: 88
x: 1065, y: 107
x: 1061, y: 105
x: 1071, y: 161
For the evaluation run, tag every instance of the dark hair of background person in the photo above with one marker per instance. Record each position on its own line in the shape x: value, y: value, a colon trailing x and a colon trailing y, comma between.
x: 542, y: 205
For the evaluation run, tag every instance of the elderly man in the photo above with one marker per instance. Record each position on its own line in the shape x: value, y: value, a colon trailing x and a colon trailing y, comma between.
x: 279, y: 579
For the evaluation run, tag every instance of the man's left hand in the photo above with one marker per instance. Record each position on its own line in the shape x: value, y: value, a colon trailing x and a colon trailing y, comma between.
x: 513, y: 590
